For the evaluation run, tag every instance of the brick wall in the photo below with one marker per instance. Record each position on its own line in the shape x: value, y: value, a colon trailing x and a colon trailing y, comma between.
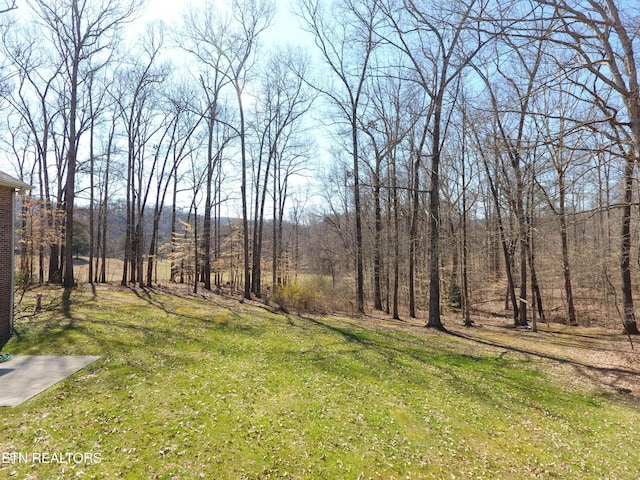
x: 6, y: 255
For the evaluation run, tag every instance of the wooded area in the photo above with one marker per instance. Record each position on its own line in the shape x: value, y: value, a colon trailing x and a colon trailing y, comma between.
x: 457, y: 145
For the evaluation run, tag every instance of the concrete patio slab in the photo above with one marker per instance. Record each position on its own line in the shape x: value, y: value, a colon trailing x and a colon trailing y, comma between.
x: 24, y: 376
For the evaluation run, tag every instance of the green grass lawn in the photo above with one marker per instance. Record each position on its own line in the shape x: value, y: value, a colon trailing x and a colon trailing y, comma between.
x: 195, y: 388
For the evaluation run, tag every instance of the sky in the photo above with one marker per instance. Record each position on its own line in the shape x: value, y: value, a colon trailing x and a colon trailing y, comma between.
x: 284, y: 30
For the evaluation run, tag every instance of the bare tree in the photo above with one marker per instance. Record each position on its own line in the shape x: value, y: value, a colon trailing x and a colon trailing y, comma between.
x: 289, y: 163
x: 440, y: 40
x: 109, y: 149
x: 512, y: 90
x: 461, y: 173
x: 346, y: 39
x: 35, y: 101
x: 395, y: 112
x: 601, y: 33
x: 99, y: 103
x: 485, y: 132
x: 139, y: 102
x: 83, y: 33
x: 174, y: 145
x: 563, y: 145
x: 8, y: 6
x: 281, y: 107
x: 229, y: 46
x: 198, y: 38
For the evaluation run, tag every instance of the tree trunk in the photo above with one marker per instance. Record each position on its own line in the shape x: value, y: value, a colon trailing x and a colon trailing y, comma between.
x: 377, y: 255
x: 128, y: 222
x: 152, y: 245
x: 358, y: 213
x: 434, y: 216
x: 455, y: 254
x: 104, y: 208
x: 92, y: 236
x: 523, y: 239
x: 629, y: 319
x: 396, y: 239
x: 535, y: 287
x: 243, y: 193
x: 465, y: 254
x: 413, y: 231
x: 174, y: 215
x: 276, y: 242
x: 505, y: 248
x: 206, y: 227
x: 566, y: 269
x: 70, y: 185
x: 195, y: 249
x: 261, y: 198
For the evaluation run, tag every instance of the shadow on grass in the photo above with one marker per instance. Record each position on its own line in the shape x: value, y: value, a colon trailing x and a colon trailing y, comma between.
x: 66, y: 302
x: 154, y: 300
x: 607, y: 377
x: 546, y: 356
x: 167, y: 337
x: 67, y: 333
x: 596, y: 375
x: 459, y: 370
x: 417, y: 365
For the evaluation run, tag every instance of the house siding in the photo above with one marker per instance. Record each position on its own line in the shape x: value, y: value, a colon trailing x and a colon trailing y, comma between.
x: 6, y: 264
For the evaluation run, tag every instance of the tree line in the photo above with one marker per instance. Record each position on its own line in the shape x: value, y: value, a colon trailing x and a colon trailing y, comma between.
x: 461, y: 142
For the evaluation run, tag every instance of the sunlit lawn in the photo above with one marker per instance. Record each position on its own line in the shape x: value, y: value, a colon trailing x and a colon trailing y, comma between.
x: 194, y: 388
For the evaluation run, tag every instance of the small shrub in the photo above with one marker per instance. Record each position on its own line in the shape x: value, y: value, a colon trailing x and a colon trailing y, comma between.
x: 454, y: 296
x: 22, y: 280
x: 299, y: 298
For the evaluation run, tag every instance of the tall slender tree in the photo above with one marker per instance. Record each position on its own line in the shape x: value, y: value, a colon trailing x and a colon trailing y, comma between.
x: 281, y: 107
x: 440, y: 40
x: 83, y: 35
x: 603, y: 33
x: 228, y: 43
x: 35, y: 101
x: 346, y: 39
x: 143, y: 124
